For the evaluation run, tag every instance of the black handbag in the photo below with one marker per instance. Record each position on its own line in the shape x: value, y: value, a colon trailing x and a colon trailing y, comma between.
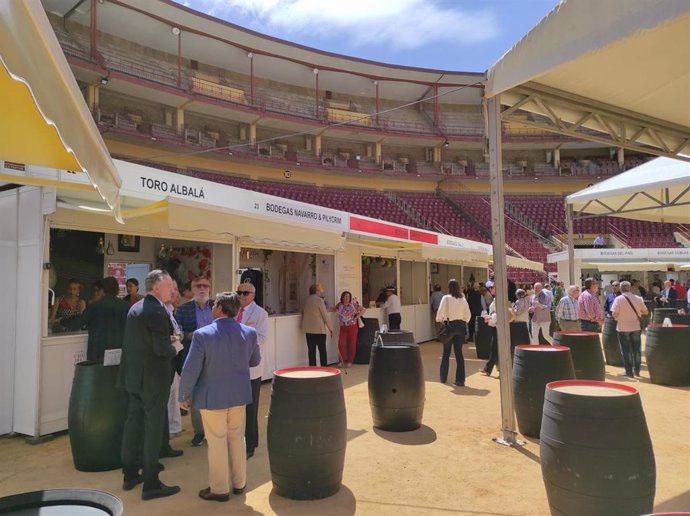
x: 450, y: 329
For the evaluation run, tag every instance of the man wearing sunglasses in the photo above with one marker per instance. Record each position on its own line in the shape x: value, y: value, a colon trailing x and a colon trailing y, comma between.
x: 253, y: 315
x: 192, y: 316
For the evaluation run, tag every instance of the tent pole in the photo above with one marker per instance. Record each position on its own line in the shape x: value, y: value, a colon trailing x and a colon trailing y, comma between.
x: 500, y: 270
x: 571, y: 245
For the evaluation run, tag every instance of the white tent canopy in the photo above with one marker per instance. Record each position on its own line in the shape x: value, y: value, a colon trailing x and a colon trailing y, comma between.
x: 615, y: 73
x: 658, y: 190
x: 612, y: 72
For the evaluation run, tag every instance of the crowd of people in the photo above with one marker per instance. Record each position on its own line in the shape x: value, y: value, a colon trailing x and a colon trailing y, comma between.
x: 203, y: 356
x: 574, y: 308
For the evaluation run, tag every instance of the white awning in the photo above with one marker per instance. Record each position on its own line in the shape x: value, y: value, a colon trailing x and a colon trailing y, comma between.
x: 605, y: 65
x: 191, y: 216
x: 658, y: 190
x: 45, y: 120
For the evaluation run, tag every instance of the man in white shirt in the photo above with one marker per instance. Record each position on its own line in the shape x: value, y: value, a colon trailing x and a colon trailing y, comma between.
x: 392, y: 308
x: 251, y: 314
x: 627, y: 310
x: 540, y: 308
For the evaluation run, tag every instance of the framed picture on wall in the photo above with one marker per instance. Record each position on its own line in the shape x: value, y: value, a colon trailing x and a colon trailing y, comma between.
x: 433, y: 267
x: 127, y: 244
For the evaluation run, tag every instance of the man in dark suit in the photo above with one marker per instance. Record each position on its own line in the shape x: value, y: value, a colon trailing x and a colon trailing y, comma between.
x: 145, y: 373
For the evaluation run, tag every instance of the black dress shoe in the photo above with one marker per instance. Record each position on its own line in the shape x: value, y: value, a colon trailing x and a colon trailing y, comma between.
x: 238, y: 490
x: 170, y: 452
x: 197, y: 439
x: 130, y: 483
x: 160, y: 492
x: 206, y: 494
x: 459, y: 384
x: 250, y: 454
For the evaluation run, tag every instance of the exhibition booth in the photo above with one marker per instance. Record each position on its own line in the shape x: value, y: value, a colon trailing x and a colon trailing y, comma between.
x: 189, y: 227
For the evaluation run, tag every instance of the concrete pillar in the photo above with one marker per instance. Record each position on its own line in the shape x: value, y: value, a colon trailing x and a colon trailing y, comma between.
x: 180, y: 120
x: 621, y: 157
x: 437, y: 154
x: 252, y: 133
x: 557, y: 157
x: 369, y: 150
x: 317, y: 145
x: 168, y: 117
x: 92, y: 91
x: 377, y: 152
x: 308, y: 143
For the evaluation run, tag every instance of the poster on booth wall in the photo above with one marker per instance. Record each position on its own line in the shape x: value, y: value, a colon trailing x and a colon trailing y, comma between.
x: 119, y: 272
x: 187, y: 263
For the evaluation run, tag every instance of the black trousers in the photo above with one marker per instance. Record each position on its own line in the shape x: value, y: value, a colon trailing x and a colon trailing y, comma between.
x: 493, y: 354
x: 251, y: 428
x: 143, y: 434
x: 317, y: 340
x: 456, y: 344
x: 394, y: 321
x: 471, y: 326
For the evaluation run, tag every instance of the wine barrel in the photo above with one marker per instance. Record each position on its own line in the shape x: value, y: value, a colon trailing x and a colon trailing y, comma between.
x: 396, y: 387
x: 62, y: 502
x: 365, y: 338
x: 533, y: 368
x: 609, y: 339
x: 661, y: 313
x: 482, y: 338
x: 585, y: 350
x: 519, y: 334
x: 668, y: 354
x: 307, y: 432
x: 394, y: 337
x: 595, y: 452
x: 96, y: 417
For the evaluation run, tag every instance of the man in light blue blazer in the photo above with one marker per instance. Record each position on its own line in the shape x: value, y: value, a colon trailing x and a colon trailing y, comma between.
x: 215, y: 378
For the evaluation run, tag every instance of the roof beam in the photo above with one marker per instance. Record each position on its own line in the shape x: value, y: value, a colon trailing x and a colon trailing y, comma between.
x: 589, y: 120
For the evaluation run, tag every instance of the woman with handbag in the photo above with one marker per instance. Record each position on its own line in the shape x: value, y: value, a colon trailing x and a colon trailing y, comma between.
x: 349, y: 313
x: 453, y: 312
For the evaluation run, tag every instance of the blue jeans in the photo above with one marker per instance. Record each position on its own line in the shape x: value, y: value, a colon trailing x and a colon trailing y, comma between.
x: 589, y: 326
x: 631, y: 343
x: 456, y: 345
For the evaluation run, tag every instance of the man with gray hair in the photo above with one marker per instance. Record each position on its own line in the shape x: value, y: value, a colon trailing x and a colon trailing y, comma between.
x: 145, y: 373
x: 627, y: 309
x: 540, y: 308
x: 566, y: 310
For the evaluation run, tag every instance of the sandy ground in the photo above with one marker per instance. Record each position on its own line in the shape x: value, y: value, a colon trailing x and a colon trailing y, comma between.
x: 450, y: 465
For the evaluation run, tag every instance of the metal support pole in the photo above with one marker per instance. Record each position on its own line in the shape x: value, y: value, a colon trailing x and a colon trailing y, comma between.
x: 571, y: 245
x: 179, y: 59
x: 376, y: 116
x: 436, y: 116
x: 93, y: 39
x: 316, y: 91
x: 251, y: 79
x: 500, y: 271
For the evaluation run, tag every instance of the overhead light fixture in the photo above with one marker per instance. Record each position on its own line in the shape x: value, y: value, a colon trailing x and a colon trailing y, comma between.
x: 316, y: 71
x: 104, y: 81
x: 176, y: 31
x: 250, y: 55
x: 446, y: 144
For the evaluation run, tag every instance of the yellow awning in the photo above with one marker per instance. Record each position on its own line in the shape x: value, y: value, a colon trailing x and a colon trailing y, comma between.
x: 45, y: 120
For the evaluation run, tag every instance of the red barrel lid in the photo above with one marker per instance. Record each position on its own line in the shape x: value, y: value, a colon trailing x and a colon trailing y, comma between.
x: 591, y: 388
x: 577, y: 332
x: 306, y: 373
x: 658, y: 325
x: 542, y: 347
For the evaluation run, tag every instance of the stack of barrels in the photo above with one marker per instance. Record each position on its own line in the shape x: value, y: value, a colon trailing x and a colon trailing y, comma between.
x: 595, y: 451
